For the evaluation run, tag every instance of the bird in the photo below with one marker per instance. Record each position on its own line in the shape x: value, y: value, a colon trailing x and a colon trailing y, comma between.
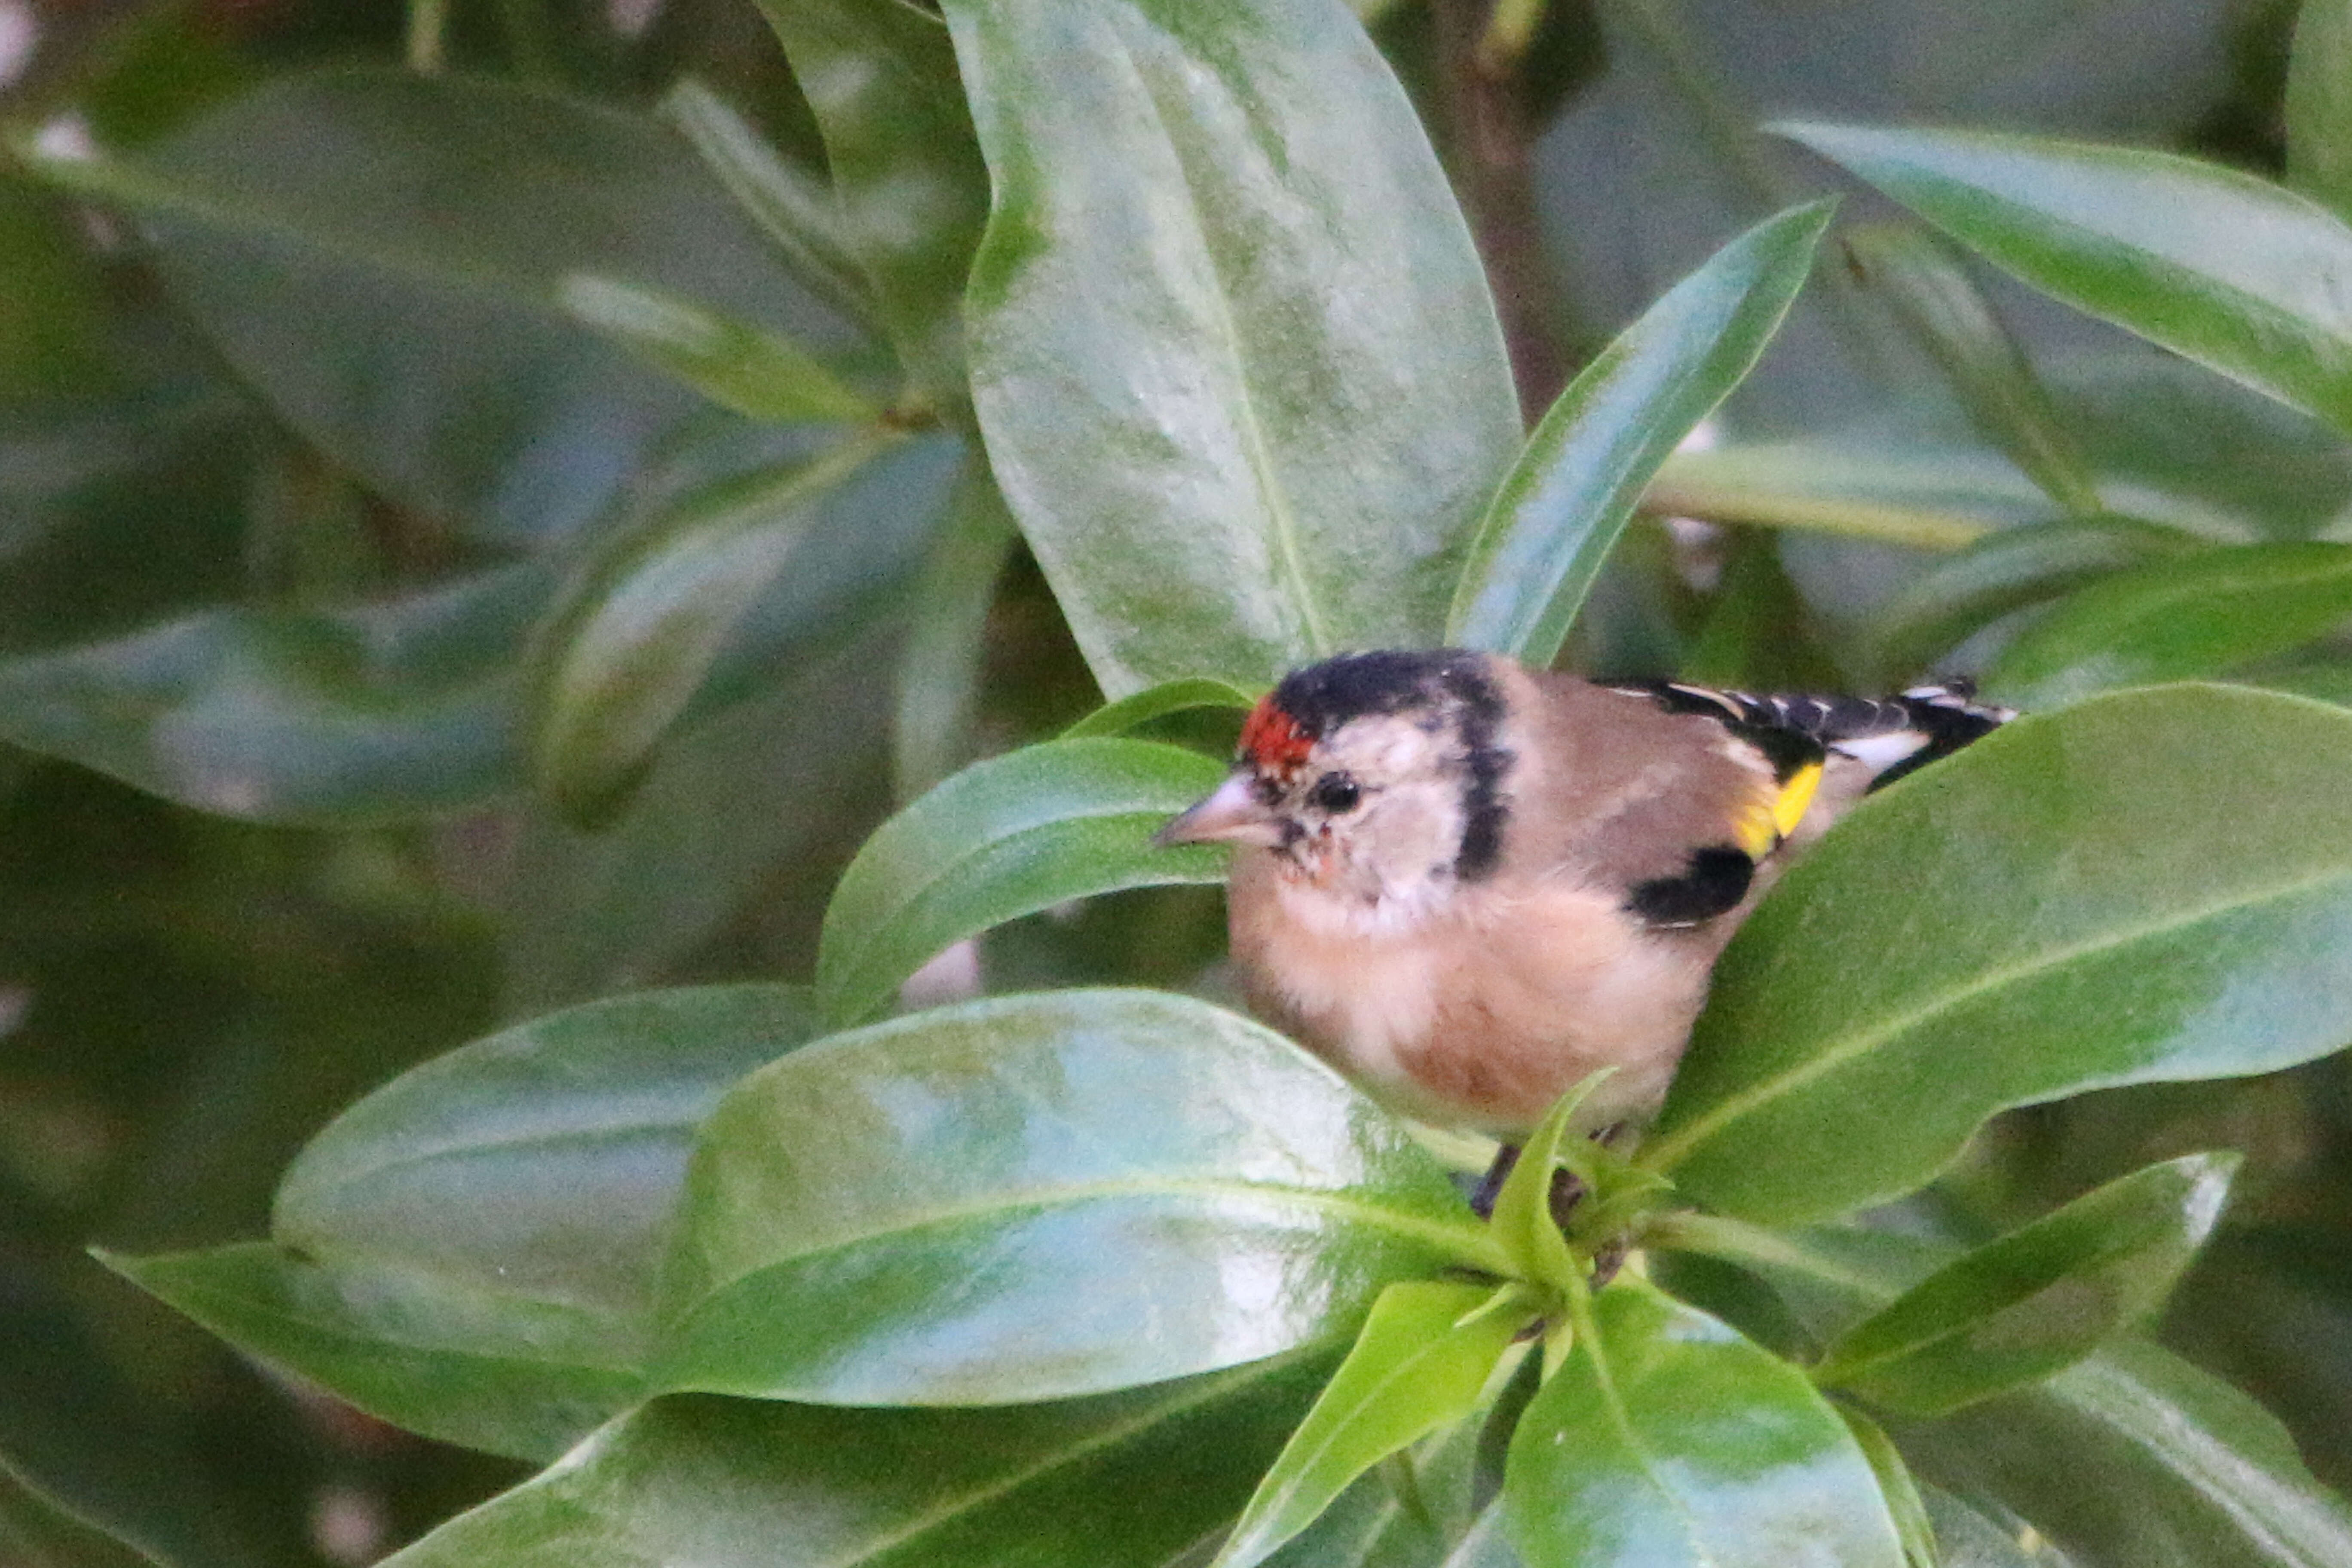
x: 1468, y: 885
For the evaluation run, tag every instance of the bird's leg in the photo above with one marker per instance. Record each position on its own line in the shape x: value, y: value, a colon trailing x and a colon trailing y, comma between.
x: 1490, y: 1185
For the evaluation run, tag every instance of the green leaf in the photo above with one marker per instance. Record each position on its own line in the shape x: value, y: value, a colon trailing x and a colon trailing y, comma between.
x: 1936, y: 300
x: 2038, y: 1300
x: 2203, y: 614
x: 34, y: 1532
x: 907, y: 180
x: 1953, y: 599
x: 378, y: 254
x: 382, y: 713
x: 1668, y: 1439
x: 939, y: 671
x: 1965, y: 1538
x: 1232, y: 348
x: 795, y: 209
x: 1157, y: 702
x: 2134, y: 1458
x: 641, y: 625
x: 2155, y: 243
x: 1559, y: 512
x: 1005, y: 1190
x: 1896, y: 1487
x: 1422, y: 1363
x: 1006, y: 837
x: 2319, y: 103
x: 1127, y: 1480
x: 756, y: 372
x: 1522, y: 1220
x: 508, y: 1373
x: 2051, y: 911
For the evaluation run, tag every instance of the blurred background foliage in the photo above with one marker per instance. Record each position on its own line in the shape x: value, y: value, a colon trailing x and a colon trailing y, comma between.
x: 321, y: 443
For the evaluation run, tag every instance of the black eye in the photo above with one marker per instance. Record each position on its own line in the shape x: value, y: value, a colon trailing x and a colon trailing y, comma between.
x: 1337, y: 793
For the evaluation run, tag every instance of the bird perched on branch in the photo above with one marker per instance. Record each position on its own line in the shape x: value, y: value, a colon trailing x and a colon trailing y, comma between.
x: 1469, y: 884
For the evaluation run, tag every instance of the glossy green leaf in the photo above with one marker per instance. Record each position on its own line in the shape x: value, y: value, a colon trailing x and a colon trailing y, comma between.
x: 1008, y: 1188
x: 377, y: 253
x: 2039, y: 1298
x: 1953, y: 599
x: 907, y: 180
x: 1157, y: 702
x: 1938, y: 301
x: 1126, y: 1480
x: 641, y: 626
x: 939, y: 671
x: 2149, y: 886
x: 1560, y: 509
x: 1006, y: 837
x: 387, y: 712
x: 2184, y: 619
x: 1966, y: 1537
x: 2134, y: 1458
x: 1421, y: 1363
x: 1668, y: 1439
x: 2156, y: 243
x: 1896, y: 1487
x: 756, y: 372
x: 506, y: 1373
x: 1235, y: 356
x: 795, y: 209
x: 2319, y: 103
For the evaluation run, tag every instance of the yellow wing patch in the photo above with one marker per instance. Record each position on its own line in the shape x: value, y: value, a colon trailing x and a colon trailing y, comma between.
x: 1771, y: 821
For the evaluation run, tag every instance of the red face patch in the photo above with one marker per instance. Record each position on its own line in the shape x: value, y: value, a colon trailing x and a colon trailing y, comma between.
x: 1273, y: 740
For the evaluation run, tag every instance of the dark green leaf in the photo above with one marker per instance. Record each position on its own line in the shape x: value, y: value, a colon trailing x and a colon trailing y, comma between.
x: 907, y: 180
x: 2039, y: 1298
x: 1003, y: 838
x: 756, y: 372
x: 1157, y: 702
x: 939, y: 672
x: 36, y: 1533
x: 1935, y: 296
x: 1127, y: 1480
x: 1006, y: 1190
x: 2319, y: 103
x: 2149, y: 886
x: 1559, y: 512
x: 2156, y: 243
x: 2182, y: 619
x: 1232, y: 348
x: 1422, y: 1362
x: 396, y: 710
x: 1668, y: 1440
x: 1896, y: 1487
x: 1944, y: 606
x: 1937, y: 498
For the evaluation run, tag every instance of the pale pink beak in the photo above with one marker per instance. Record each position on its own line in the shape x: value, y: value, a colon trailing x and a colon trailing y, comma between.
x: 1232, y: 813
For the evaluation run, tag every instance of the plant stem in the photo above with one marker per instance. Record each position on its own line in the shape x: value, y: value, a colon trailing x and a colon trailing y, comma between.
x: 428, y: 30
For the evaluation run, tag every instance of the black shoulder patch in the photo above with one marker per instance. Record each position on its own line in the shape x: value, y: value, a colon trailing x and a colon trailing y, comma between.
x: 1712, y: 883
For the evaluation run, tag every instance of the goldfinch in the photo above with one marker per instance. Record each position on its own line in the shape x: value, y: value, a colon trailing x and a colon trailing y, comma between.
x: 1469, y: 884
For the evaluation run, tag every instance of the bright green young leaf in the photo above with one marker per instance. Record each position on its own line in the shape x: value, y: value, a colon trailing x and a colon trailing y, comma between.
x: 1409, y: 1509
x: 2039, y: 1298
x: 386, y: 712
x: 377, y: 253
x: 981, y: 1204
x: 1940, y: 303
x: 1522, y: 1221
x: 1157, y: 702
x: 2149, y: 886
x: 2159, y: 244
x: 1126, y: 1480
x: 1003, y: 838
x: 1422, y: 1362
x: 1896, y: 1487
x: 756, y: 372
x: 1944, y: 606
x: 1235, y: 355
x: 1560, y: 509
x: 2183, y: 619
x: 907, y: 180
x: 940, y: 669
x: 796, y: 208
x: 2319, y: 103
x: 640, y: 624
x: 1668, y: 1440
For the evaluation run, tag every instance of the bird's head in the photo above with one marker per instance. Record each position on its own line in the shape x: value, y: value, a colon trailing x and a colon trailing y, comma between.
x: 1376, y: 776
